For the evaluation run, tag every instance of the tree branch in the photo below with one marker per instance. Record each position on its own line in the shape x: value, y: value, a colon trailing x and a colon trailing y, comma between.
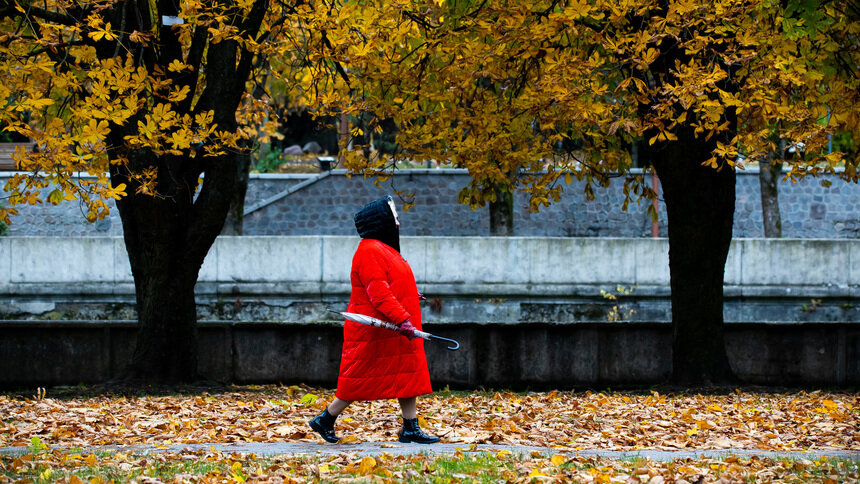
x: 40, y: 13
x: 340, y: 70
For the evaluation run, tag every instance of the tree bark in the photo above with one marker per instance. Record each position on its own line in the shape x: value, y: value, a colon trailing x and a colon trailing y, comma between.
x: 236, y: 215
x: 166, y: 345
x: 502, y: 213
x: 167, y: 238
x: 155, y: 232
x: 700, y: 203
x: 768, y: 177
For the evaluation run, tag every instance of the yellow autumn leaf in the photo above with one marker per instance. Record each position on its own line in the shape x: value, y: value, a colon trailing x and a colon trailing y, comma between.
x: 4, y: 214
x: 39, y: 103
x: 177, y: 95
x: 362, y: 49
x: 177, y: 66
x: 95, y: 131
x: 103, y: 33
x: 558, y: 459
x: 116, y: 192
x: 367, y: 465
x: 56, y: 196
x: 349, y: 439
x: 181, y: 139
x: 137, y: 37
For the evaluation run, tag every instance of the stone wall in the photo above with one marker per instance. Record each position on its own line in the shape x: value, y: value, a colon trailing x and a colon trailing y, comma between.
x: 481, y: 280
x: 528, y: 311
x: 323, y: 204
x: 520, y: 357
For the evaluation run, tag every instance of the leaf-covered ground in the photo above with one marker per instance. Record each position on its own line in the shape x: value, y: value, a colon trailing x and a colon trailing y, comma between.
x: 565, y: 420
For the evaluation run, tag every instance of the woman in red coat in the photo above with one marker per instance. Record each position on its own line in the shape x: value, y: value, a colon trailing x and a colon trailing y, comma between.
x: 377, y: 363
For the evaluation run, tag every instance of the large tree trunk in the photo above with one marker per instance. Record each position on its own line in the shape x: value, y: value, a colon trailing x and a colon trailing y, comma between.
x: 167, y: 238
x: 156, y: 233
x: 502, y: 213
x: 700, y: 207
x: 700, y: 203
x: 236, y: 215
x: 768, y: 177
x: 166, y: 346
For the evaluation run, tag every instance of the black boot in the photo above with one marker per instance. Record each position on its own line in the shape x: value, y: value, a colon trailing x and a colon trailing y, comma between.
x: 323, y: 424
x: 412, y: 433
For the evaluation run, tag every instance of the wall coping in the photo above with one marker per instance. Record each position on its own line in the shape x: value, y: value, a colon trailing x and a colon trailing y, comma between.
x: 530, y: 267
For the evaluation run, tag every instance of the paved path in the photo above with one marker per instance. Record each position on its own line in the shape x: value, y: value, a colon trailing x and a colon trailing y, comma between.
x: 396, y: 448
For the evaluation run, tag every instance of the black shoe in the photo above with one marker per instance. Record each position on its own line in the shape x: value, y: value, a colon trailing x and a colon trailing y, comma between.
x: 323, y: 424
x: 412, y: 433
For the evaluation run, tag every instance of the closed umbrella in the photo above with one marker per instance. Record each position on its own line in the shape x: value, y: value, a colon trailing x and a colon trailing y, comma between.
x: 370, y: 321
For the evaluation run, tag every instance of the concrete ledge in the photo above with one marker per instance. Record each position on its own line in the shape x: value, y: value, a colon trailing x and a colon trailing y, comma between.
x: 494, y: 266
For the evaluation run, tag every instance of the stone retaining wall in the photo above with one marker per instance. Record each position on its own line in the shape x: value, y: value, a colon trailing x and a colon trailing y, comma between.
x: 528, y: 311
x: 325, y: 205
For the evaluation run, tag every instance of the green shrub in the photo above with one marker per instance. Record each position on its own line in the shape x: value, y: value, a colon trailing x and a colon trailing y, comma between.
x: 269, y: 162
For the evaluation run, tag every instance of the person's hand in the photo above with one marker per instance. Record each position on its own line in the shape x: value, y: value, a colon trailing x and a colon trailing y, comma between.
x: 406, y: 329
x: 421, y: 297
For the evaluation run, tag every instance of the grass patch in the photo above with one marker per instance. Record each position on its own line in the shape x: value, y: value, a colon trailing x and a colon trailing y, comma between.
x: 462, y: 466
x: 481, y: 467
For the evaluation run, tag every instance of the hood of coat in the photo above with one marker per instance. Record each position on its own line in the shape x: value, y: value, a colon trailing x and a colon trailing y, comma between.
x: 376, y: 220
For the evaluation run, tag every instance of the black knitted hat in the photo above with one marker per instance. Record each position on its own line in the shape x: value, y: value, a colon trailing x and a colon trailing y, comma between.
x: 375, y: 221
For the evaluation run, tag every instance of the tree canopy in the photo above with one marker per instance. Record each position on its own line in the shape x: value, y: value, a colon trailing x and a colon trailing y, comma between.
x: 94, y: 85
x: 509, y: 89
x: 161, y: 103
x: 521, y: 94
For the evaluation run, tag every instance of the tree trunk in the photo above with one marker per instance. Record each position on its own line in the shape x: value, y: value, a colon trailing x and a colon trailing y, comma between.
x: 167, y: 238
x: 166, y: 345
x: 700, y: 203
x: 156, y: 231
x: 236, y: 215
x: 768, y: 177
x: 502, y: 213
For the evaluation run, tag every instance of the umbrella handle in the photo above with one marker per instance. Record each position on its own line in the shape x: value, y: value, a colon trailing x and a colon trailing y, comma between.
x: 428, y: 336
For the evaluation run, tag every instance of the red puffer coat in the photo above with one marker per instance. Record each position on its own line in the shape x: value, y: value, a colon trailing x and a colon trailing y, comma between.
x: 379, y: 363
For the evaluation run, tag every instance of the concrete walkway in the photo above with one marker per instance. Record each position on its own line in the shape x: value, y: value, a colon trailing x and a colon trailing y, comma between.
x: 396, y: 448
